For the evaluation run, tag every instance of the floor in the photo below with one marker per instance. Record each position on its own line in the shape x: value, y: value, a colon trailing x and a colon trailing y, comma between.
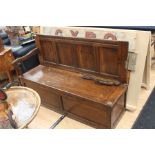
x: 129, y: 117
x: 46, y: 117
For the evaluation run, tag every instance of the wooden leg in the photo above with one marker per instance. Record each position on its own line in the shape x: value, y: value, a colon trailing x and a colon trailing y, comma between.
x: 26, y: 127
x: 16, y: 72
x: 154, y: 47
x: 9, y: 76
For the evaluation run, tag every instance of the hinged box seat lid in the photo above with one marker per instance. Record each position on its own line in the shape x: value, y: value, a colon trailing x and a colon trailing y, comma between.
x: 71, y: 83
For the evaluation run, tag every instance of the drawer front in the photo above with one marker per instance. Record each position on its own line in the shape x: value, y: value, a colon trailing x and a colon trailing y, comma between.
x: 87, y: 110
x: 48, y: 96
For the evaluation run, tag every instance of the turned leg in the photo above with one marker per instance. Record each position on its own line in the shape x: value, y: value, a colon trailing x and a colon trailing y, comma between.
x: 9, y: 76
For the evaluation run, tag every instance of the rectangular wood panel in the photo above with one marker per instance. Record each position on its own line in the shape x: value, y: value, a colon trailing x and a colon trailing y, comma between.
x: 48, y: 51
x: 109, y: 61
x: 65, y: 53
x: 118, y: 110
x: 48, y: 97
x: 88, y: 110
x: 86, y: 57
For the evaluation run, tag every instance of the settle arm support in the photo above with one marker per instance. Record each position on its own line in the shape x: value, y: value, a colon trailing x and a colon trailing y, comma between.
x: 17, y: 63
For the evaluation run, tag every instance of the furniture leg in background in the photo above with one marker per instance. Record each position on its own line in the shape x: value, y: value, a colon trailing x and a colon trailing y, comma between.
x: 9, y: 74
x: 6, y: 59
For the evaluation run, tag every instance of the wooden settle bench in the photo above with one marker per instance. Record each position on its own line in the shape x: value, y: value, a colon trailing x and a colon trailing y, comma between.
x: 83, y: 78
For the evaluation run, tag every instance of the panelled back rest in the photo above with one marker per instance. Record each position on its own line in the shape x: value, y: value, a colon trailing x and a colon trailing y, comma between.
x: 103, y: 58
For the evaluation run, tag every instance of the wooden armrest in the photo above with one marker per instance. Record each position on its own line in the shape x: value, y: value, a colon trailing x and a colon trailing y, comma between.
x: 25, y: 57
x: 17, y: 63
x: 153, y: 43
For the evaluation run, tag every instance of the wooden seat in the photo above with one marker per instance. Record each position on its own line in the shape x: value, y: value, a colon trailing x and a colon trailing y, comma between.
x: 67, y: 82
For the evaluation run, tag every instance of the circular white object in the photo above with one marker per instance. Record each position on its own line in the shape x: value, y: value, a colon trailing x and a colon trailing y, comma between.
x: 25, y: 103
